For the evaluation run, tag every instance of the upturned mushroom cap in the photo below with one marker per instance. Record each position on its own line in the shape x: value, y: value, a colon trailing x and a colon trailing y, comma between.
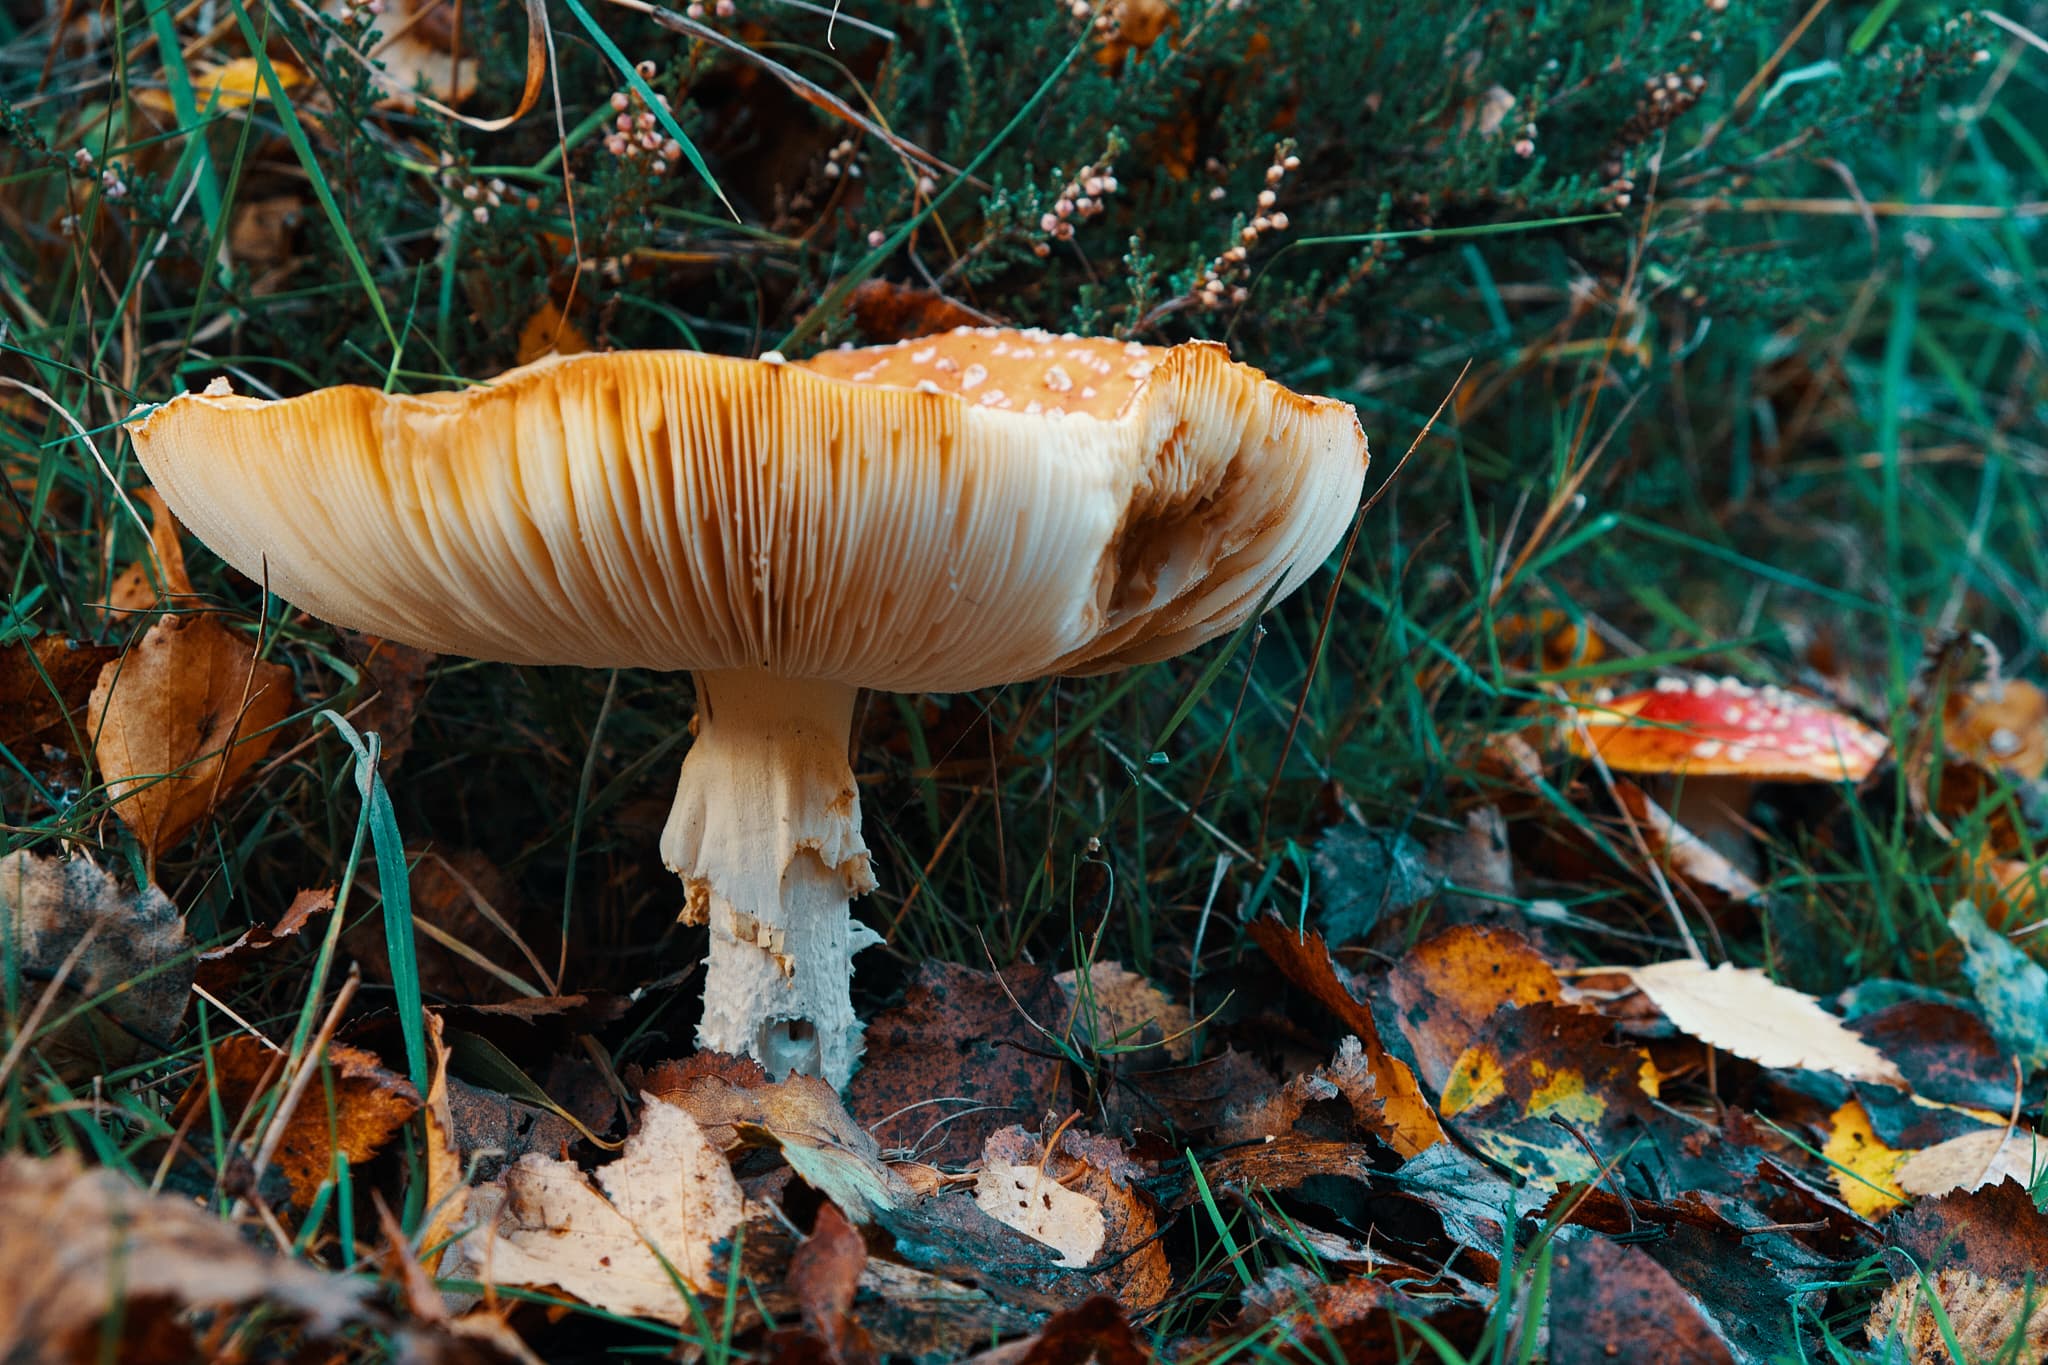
x: 1720, y: 727
x: 945, y: 514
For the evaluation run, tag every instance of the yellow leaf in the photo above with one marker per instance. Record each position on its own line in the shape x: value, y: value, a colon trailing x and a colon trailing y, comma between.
x: 1865, y: 1170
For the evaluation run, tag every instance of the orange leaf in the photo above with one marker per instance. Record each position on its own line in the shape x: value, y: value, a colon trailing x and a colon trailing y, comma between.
x: 1407, y: 1120
x: 180, y: 720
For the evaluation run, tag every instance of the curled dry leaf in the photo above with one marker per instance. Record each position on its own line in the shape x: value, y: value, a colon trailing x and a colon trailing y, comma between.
x: 447, y: 1183
x: 369, y: 1106
x: 1121, y: 1009
x: 1742, y: 1011
x: 1974, y: 1160
x: 180, y: 720
x: 1406, y: 1119
x: 825, y: 1276
x: 144, y: 584
x: 1989, y: 1320
x: 1348, y: 1077
x: 132, y: 1268
x: 665, y: 1203
x: 134, y: 959
x: 220, y: 966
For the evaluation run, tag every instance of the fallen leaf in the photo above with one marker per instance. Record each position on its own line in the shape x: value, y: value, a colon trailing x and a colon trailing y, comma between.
x: 180, y: 720
x: 44, y: 684
x: 369, y: 1106
x: 886, y: 311
x: 1537, y: 1080
x: 1406, y: 1119
x: 1449, y: 985
x: 1348, y: 1078
x: 1612, y: 1303
x: 233, y: 84
x: 1022, y: 1195
x: 1945, y: 1053
x: 1983, y: 1317
x: 1994, y: 1231
x: 1304, y: 1322
x: 1742, y: 1011
x: 144, y: 584
x: 218, y: 967
x: 1120, y: 1009
x: 417, y: 54
x: 1094, y: 1330
x: 2011, y: 987
x: 726, y: 1094
x: 1366, y: 876
x: 398, y: 673
x: 1974, y: 1160
x: 824, y: 1274
x: 549, y: 332
x: 135, y: 961
x: 958, y: 1060
x: 127, y: 1274
x: 447, y: 1181
x: 1864, y: 1169
x: 1098, y: 1169
x: 666, y: 1203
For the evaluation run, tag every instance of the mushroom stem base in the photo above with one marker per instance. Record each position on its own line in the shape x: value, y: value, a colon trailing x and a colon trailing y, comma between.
x: 765, y: 833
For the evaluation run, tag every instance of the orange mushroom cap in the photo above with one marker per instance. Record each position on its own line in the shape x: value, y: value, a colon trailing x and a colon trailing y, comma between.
x: 1722, y: 727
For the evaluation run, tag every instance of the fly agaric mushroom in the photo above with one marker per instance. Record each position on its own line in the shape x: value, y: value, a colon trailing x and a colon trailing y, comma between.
x: 945, y: 514
x: 1719, y: 737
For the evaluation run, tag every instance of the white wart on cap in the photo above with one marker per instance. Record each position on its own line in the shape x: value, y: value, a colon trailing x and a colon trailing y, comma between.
x: 950, y: 513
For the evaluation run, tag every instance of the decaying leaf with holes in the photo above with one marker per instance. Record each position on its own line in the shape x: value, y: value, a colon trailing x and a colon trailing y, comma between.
x: 124, y: 952
x: 179, y: 720
x: 370, y: 1105
x: 651, y: 1219
x: 1083, y: 1197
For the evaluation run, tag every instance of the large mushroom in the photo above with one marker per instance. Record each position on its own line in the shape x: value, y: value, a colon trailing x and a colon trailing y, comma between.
x: 949, y: 513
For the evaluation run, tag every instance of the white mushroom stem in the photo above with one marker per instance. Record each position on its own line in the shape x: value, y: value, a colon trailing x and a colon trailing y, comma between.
x: 765, y: 834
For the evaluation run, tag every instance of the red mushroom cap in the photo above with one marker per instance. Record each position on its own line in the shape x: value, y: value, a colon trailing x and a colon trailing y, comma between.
x: 1722, y: 727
